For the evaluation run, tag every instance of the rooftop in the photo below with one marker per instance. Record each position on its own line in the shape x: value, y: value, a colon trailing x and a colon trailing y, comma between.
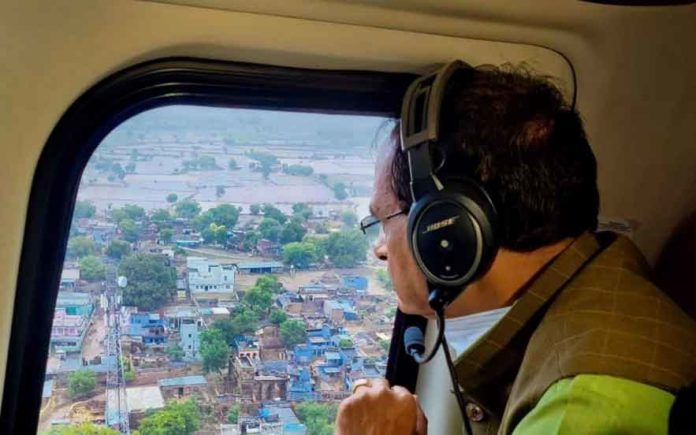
x: 47, y: 389
x: 183, y: 381
x: 260, y: 265
x: 144, y: 398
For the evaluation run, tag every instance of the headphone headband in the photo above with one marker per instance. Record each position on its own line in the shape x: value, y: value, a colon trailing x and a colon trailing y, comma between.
x: 420, y: 126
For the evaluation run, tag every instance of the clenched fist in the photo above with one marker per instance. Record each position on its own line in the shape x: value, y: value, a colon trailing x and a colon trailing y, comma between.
x: 376, y: 409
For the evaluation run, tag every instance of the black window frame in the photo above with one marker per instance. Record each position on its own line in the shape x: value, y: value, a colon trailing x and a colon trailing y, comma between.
x: 81, y: 129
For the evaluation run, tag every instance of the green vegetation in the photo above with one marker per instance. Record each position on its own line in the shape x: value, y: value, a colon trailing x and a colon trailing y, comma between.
x: 347, y: 248
x: 215, y: 234
x: 244, y: 320
x: 166, y: 235
x: 349, y: 218
x: 255, y: 209
x: 292, y: 332
x: 162, y: 218
x: 84, y: 209
x: 302, y: 211
x: 232, y: 165
x: 250, y: 240
x: 214, y: 349
x: 318, y: 417
x: 151, y: 282
x: 385, y: 344
x: 81, y: 429
x: 176, y: 353
x: 270, y: 229
x: 345, y: 343
x: 293, y: 231
x: 129, y: 230
x: 202, y: 163
x: 339, y: 190
x: 272, y: 212
x: 300, y: 254
x: 298, y: 170
x: 277, y: 317
x: 81, y: 246
x: 258, y: 298
x: 233, y: 415
x: 265, y: 161
x: 128, y: 376
x: 176, y: 418
x: 219, y: 191
x: 269, y: 283
x: 223, y: 215
x: 128, y: 211
x: 118, y: 249
x: 81, y: 383
x: 92, y: 268
x: 172, y: 198
x: 187, y: 209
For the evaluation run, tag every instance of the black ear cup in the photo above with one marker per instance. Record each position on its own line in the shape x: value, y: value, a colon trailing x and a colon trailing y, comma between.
x: 452, y: 235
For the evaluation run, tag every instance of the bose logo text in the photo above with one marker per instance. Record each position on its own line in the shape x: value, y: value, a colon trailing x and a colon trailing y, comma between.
x: 442, y: 224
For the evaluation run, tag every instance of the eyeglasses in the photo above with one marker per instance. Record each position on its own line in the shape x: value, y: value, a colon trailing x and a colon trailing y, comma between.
x: 369, y: 225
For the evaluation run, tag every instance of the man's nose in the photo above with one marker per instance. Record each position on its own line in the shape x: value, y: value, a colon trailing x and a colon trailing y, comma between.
x: 380, y: 248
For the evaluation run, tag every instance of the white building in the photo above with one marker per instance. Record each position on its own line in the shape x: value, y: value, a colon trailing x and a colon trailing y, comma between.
x: 205, y: 275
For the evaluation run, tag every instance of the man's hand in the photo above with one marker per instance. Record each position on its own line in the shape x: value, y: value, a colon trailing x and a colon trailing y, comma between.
x: 375, y: 408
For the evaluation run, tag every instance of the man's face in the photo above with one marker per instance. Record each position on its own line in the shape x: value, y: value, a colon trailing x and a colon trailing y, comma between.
x: 392, y: 247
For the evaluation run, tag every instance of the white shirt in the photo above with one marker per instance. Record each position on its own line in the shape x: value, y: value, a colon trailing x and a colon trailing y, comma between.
x: 462, y: 332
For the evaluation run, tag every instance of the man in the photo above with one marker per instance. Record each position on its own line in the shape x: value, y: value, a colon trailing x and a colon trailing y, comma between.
x: 584, y: 342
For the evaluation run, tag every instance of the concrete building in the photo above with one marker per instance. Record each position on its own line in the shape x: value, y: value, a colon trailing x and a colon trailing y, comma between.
x: 140, y: 400
x: 205, y: 275
x: 190, y: 339
x: 261, y: 267
x: 182, y: 386
x: 149, y: 327
x: 71, y: 320
x: 69, y: 278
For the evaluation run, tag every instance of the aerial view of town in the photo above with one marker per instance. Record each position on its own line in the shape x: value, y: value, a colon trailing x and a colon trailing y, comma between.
x: 216, y: 280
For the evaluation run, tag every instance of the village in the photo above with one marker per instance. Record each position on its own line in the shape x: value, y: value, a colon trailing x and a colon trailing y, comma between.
x: 206, y: 308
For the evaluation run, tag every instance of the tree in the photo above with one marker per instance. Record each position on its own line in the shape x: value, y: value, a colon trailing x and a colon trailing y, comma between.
x: 172, y: 198
x: 277, y: 317
x: 128, y: 376
x: 302, y: 211
x: 345, y: 343
x: 254, y: 209
x: 81, y: 383
x: 293, y: 231
x: 270, y: 229
x: 92, y: 268
x: 300, y: 254
x: 318, y: 417
x: 339, y: 190
x: 349, y: 218
x: 129, y: 230
x: 187, y: 209
x: 214, y: 349
x: 84, y: 209
x: 347, y: 248
x: 166, y: 235
x: 298, y: 170
x: 250, y: 240
x: 215, y: 234
x: 223, y: 215
x: 176, y: 418
x: 219, y: 191
x: 265, y: 162
x: 232, y: 165
x: 258, y: 298
x: 272, y: 212
x: 81, y: 429
x: 385, y: 345
x: 245, y: 320
x: 130, y: 168
x: 118, y: 249
x: 176, y: 353
x: 270, y: 283
x: 233, y: 414
x: 151, y: 282
x: 81, y: 246
x: 292, y: 332
x: 134, y: 212
x: 162, y: 218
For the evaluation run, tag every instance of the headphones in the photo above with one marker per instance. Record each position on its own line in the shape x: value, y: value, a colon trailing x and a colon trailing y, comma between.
x: 452, y: 222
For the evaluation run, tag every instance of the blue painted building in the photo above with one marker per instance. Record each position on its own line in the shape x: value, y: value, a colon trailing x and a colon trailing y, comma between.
x: 301, y: 386
x: 355, y: 282
x: 149, y: 326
